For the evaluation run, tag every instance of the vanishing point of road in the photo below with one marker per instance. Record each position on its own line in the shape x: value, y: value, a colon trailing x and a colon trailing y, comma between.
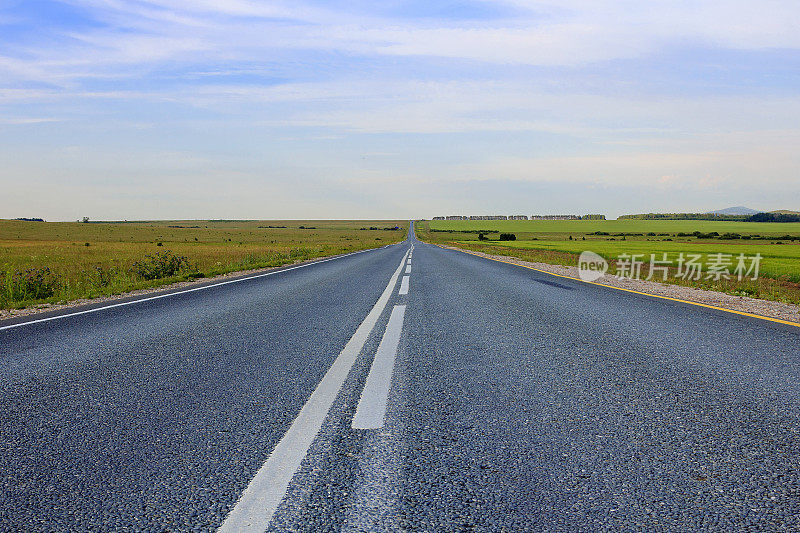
x: 404, y: 388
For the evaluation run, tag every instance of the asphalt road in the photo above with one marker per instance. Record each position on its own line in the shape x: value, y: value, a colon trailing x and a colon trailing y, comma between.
x: 378, y: 392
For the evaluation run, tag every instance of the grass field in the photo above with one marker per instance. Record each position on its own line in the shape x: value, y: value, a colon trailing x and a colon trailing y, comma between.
x: 60, y: 261
x: 560, y: 242
x: 777, y: 261
x: 582, y: 227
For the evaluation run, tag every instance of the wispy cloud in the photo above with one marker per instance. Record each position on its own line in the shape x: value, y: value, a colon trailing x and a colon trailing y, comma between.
x: 155, y: 33
x: 27, y: 120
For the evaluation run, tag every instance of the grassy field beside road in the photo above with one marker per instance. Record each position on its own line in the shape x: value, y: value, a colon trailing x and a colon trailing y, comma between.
x: 539, y: 228
x: 561, y: 242
x: 43, y: 262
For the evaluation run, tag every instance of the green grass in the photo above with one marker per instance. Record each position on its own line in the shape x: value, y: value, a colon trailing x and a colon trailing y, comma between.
x: 549, y: 242
x: 106, y: 265
x: 564, y: 227
x: 777, y: 260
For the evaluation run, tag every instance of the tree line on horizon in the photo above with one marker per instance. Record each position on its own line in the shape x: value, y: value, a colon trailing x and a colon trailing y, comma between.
x: 758, y: 217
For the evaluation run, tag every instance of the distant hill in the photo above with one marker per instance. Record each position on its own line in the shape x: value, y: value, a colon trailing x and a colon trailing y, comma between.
x: 784, y: 212
x: 738, y: 210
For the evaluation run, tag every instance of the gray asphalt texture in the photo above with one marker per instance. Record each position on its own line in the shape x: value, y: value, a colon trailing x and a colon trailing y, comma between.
x: 156, y: 416
x: 520, y: 401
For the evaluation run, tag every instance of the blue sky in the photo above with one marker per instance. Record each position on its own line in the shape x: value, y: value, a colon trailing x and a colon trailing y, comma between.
x: 146, y: 109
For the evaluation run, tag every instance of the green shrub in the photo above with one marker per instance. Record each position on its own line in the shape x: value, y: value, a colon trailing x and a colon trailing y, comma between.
x: 161, y: 265
x: 508, y: 237
x: 30, y: 284
x: 104, y: 276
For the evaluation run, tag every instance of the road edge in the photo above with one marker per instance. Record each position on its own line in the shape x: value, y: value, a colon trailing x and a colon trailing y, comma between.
x: 117, y: 300
x: 520, y: 263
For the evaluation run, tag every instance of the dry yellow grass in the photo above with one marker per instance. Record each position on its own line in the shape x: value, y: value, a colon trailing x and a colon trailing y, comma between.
x: 106, y: 265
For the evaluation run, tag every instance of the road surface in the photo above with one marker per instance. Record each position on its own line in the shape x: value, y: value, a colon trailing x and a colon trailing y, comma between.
x: 400, y: 390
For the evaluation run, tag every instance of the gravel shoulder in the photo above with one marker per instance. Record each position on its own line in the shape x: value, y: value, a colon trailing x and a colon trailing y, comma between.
x: 766, y: 308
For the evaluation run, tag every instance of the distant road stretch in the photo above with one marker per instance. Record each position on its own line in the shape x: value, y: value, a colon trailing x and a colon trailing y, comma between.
x: 404, y: 388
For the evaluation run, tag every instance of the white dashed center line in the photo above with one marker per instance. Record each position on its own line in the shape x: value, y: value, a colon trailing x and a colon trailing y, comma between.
x: 371, y: 410
x: 258, y: 502
x: 408, y: 268
x: 403, y: 285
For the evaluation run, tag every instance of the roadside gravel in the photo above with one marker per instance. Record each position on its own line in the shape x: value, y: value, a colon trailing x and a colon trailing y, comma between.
x: 779, y: 310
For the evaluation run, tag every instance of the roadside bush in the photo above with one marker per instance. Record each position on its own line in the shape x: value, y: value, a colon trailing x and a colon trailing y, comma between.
x: 508, y: 237
x: 104, y: 276
x: 482, y: 237
x: 30, y: 284
x: 160, y: 265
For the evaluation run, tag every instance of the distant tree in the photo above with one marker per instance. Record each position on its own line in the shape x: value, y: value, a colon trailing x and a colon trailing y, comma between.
x: 773, y: 217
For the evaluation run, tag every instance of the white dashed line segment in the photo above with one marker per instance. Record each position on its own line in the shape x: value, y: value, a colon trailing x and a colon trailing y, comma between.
x: 403, y: 286
x: 262, y: 496
x: 371, y: 410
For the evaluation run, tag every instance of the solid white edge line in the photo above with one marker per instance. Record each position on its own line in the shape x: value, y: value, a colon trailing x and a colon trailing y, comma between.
x: 256, y: 505
x: 371, y: 410
x: 403, y: 286
x: 150, y: 298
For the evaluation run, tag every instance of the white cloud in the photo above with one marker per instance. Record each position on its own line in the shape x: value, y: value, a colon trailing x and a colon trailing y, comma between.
x: 566, y: 33
x: 27, y: 120
x: 380, y: 106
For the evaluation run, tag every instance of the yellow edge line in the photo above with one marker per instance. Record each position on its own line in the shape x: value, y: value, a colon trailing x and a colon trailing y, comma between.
x: 779, y: 321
